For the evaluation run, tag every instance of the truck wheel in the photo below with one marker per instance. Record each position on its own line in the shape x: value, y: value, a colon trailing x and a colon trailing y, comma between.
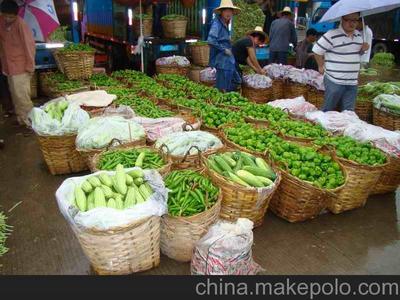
x: 379, y: 47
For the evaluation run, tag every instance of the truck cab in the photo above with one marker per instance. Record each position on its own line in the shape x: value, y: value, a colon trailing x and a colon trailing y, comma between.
x: 319, y: 8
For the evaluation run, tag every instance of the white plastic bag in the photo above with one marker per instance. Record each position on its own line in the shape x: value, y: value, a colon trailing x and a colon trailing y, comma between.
x: 297, y: 106
x: 226, y: 250
x: 108, y: 218
x: 173, y: 60
x: 208, y: 74
x: 334, y: 121
x: 100, y: 131
x: 74, y: 118
x: 257, y: 81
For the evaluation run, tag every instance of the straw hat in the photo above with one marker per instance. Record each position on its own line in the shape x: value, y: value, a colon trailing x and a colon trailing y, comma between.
x: 258, y: 29
x: 227, y: 4
x: 287, y: 10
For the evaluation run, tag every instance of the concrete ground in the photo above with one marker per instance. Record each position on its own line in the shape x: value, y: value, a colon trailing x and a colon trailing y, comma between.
x: 364, y: 241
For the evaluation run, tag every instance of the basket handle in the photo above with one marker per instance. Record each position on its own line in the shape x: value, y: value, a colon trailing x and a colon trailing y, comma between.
x: 186, y: 125
x: 188, y: 153
x: 160, y: 150
x: 110, y: 144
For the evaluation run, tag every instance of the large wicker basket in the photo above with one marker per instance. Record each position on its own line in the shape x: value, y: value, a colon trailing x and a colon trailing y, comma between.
x: 360, y: 182
x: 47, y: 88
x: 242, y: 202
x: 179, y: 235
x: 147, y: 27
x: 172, y: 69
x: 294, y: 90
x: 277, y: 89
x: 315, y: 97
x: 389, y: 180
x: 297, y: 200
x: 60, y: 154
x: 386, y: 120
x: 257, y: 95
x: 123, y: 250
x: 194, y: 73
x: 75, y: 65
x: 200, y: 54
x: 88, y: 154
x: 364, y: 110
x: 174, y: 29
x: 96, y: 158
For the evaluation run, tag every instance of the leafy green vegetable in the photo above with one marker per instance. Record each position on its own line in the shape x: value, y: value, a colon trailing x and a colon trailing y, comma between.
x: 77, y: 48
x: 383, y: 59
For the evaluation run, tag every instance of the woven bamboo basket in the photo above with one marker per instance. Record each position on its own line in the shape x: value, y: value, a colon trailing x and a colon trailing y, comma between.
x: 360, y: 181
x: 386, y: 120
x: 278, y: 89
x: 88, y: 154
x: 34, y: 86
x: 174, y: 29
x: 297, y: 200
x: 231, y: 145
x: 242, y: 202
x: 200, y: 54
x: 294, y: 90
x: 147, y: 27
x: 257, y: 95
x: 208, y: 83
x: 60, y: 154
x: 96, y: 158
x: 364, y: 110
x: 194, y: 73
x: 315, y: 97
x: 389, y: 180
x: 47, y: 89
x: 188, y: 160
x: 124, y: 250
x: 76, y: 65
x: 96, y: 111
x: 179, y: 235
x: 172, y: 69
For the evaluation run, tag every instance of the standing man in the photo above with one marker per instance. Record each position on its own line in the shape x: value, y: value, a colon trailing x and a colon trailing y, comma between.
x: 338, y: 53
x: 304, y: 54
x: 221, y: 56
x: 244, y: 50
x: 282, y: 34
x: 17, y: 55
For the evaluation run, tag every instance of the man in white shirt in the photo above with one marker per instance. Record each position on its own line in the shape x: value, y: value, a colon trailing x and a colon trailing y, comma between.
x: 368, y: 36
x: 338, y: 54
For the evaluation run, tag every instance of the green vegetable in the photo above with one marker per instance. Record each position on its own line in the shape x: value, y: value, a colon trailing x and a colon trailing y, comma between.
x: 5, y: 231
x: 105, y: 179
x: 236, y: 179
x: 94, y: 181
x: 251, y: 15
x: 86, y: 187
x: 111, y: 203
x: 249, y: 178
x: 383, y: 59
x: 99, y: 198
x: 120, y: 180
x: 139, y: 160
x: 80, y: 199
x: 76, y: 48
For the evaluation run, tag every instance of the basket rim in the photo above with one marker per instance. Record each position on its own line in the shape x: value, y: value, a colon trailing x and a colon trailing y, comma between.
x: 388, y: 114
x: 143, y: 140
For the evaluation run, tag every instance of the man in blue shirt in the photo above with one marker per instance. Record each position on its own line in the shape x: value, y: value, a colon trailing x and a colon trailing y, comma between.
x: 281, y: 35
x: 221, y: 56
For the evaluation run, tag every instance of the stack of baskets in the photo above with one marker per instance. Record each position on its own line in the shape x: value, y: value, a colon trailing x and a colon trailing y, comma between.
x: 75, y: 64
x: 200, y: 53
x: 147, y: 26
x: 172, y: 69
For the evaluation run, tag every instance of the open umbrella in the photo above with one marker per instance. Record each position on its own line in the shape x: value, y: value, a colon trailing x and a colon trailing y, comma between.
x: 41, y: 16
x: 365, y: 7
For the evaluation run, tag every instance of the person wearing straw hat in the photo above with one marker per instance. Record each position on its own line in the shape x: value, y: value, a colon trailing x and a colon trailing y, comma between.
x: 244, y: 50
x: 282, y: 34
x: 221, y: 56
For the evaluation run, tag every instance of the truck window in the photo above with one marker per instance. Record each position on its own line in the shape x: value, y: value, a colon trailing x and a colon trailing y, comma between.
x: 318, y: 14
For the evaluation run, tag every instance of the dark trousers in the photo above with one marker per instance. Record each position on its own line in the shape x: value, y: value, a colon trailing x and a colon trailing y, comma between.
x: 278, y: 57
x: 5, y: 97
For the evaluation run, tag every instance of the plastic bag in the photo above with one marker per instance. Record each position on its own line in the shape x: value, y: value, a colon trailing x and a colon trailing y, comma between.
x: 257, y: 81
x: 388, y: 103
x: 173, y: 60
x: 107, y: 218
x: 100, y: 131
x: 74, y: 118
x: 157, y: 128
x: 276, y: 71
x: 92, y: 98
x: 386, y: 140
x: 334, y: 121
x: 226, y: 250
x: 208, y: 74
x: 297, y: 106
x: 179, y: 143
x: 121, y: 111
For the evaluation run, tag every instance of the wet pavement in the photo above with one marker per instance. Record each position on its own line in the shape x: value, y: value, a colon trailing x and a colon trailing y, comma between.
x: 364, y: 241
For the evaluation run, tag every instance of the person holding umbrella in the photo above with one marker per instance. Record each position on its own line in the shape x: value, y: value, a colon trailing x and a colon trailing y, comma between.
x: 338, y: 54
x: 17, y: 55
x: 221, y: 56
